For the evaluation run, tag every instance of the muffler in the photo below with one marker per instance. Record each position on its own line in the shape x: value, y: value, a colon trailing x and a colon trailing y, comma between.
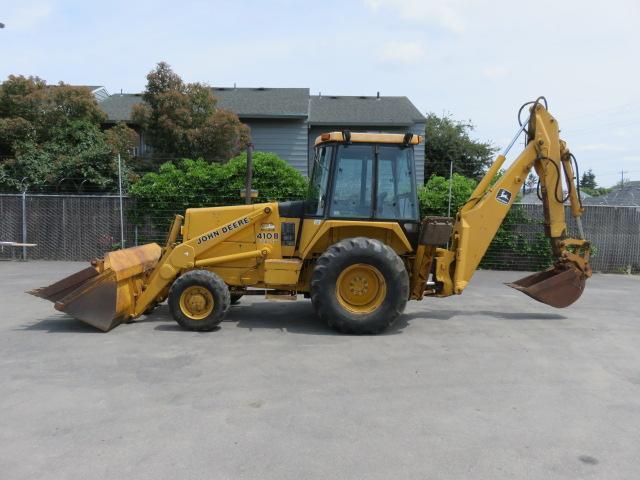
x: 558, y: 286
x: 104, y: 295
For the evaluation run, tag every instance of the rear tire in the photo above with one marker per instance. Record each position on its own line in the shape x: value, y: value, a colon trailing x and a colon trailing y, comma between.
x: 199, y: 300
x: 359, y: 286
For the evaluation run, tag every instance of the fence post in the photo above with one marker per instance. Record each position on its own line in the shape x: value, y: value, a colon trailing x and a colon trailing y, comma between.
x: 120, y: 194
x: 450, y: 184
x: 24, y: 223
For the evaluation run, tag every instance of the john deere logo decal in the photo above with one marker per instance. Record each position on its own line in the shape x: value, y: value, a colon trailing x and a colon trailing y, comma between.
x: 503, y: 196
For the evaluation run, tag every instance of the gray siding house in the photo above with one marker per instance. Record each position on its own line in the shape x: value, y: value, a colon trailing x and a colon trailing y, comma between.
x: 277, y: 118
x: 287, y: 121
x: 366, y: 114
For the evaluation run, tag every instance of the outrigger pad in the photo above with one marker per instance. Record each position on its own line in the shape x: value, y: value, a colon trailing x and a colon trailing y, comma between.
x: 558, y: 286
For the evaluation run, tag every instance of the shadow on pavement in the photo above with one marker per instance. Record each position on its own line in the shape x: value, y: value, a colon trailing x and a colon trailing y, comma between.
x: 61, y: 324
x: 174, y: 327
x: 448, y: 314
x: 293, y: 317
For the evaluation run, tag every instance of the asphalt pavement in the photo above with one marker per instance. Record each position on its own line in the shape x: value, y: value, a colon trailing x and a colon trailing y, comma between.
x: 486, y: 385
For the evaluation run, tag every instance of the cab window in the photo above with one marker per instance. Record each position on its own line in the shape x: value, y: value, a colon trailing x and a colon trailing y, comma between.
x: 352, y: 186
x: 395, y: 193
x: 317, y: 194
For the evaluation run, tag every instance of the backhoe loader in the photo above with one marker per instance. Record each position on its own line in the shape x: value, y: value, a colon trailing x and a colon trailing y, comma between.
x: 356, y: 246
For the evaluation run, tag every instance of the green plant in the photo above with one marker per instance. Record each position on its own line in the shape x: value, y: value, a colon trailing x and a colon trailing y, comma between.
x: 191, y: 183
x: 434, y: 195
x: 449, y: 141
x: 514, y: 247
x: 52, y: 137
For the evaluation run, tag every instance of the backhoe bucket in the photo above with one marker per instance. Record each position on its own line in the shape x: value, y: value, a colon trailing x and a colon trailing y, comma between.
x: 104, y: 295
x: 559, y: 286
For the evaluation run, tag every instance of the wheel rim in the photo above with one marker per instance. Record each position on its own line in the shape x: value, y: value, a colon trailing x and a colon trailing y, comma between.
x: 361, y: 288
x: 196, y: 302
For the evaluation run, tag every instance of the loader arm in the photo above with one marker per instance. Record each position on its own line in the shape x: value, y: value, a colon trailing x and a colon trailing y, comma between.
x: 480, y: 217
x: 183, y: 256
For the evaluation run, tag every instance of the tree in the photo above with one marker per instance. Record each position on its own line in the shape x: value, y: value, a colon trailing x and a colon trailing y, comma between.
x: 122, y: 140
x: 448, y: 140
x: 50, y: 135
x: 589, y: 185
x: 182, y: 120
x: 32, y: 110
x: 588, y: 180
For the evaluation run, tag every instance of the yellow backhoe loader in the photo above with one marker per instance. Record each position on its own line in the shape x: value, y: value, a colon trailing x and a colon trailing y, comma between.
x: 356, y: 246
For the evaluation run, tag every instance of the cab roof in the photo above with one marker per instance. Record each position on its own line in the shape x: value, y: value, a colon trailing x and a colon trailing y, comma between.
x: 355, y: 137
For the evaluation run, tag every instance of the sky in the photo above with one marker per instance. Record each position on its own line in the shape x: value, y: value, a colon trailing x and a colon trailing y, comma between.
x: 472, y: 59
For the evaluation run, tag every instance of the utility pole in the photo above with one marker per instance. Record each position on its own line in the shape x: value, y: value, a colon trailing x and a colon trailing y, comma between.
x: 622, y: 172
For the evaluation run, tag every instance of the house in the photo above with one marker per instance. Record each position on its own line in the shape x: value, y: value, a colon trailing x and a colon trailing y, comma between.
x: 627, y: 195
x: 118, y: 108
x: 368, y: 114
x: 277, y: 118
x: 97, y: 91
x: 530, y: 196
x: 287, y: 121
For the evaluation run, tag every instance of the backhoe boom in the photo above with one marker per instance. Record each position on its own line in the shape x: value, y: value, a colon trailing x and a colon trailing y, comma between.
x: 478, y: 220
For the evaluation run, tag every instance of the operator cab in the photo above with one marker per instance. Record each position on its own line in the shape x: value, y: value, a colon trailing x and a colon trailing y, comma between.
x: 364, y: 176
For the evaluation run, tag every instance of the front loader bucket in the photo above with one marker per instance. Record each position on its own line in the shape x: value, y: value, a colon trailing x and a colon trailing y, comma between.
x: 104, y: 295
x: 558, y: 286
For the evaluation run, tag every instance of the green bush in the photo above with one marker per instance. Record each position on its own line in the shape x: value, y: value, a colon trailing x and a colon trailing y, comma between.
x: 513, y: 249
x: 195, y: 183
x: 434, y: 195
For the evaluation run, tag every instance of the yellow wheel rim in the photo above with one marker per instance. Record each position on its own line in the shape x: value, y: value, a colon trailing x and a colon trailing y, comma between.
x: 361, y: 288
x: 196, y: 302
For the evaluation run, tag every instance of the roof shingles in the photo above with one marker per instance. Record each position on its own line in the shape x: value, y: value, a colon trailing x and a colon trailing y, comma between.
x: 627, y: 195
x: 264, y: 102
x: 363, y: 111
x: 118, y: 107
x: 293, y: 103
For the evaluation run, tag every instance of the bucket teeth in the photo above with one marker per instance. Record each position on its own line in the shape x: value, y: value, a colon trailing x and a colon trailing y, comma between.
x: 62, y: 288
x: 558, y: 287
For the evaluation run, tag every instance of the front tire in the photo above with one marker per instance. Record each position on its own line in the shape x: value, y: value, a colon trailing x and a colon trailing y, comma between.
x: 199, y: 300
x: 359, y: 286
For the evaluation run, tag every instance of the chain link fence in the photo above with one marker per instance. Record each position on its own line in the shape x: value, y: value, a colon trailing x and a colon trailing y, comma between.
x: 614, y: 232
x: 81, y: 227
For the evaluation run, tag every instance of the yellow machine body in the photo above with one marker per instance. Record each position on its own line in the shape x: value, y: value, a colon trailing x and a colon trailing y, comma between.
x: 258, y: 247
